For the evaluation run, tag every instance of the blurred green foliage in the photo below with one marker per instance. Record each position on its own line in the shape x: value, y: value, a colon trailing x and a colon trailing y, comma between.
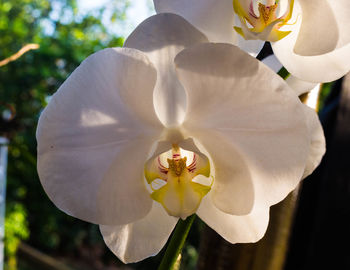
x: 16, y: 227
x: 65, y: 39
x: 324, y: 93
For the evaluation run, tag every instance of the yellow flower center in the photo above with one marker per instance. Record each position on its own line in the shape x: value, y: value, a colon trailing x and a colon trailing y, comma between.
x: 179, y: 194
x: 266, y: 24
x: 177, y: 167
x: 267, y: 12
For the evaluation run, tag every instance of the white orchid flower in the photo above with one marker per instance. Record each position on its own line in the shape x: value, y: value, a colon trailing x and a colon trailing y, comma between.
x: 311, y: 38
x: 168, y: 126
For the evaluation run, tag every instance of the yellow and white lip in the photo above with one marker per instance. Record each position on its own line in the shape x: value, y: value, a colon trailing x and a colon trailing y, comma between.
x: 173, y: 179
x: 263, y: 20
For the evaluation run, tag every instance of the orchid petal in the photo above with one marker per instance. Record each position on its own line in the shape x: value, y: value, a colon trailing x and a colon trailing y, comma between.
x: 318, y: 48
x: 253, y: 47
x: 214, y: 18
x: 136, y: 241
x: 318, y: 33
x: 235, y: 229
x: 93, y: 142
x: 246, y: 105
x: 161, y: 37
x: 232, y: 190
x: 318, y: 142
x: 300, y: 87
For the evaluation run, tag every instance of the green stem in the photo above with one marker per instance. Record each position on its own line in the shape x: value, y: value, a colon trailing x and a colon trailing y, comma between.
x: 176, y: 243
x: 283, y: 73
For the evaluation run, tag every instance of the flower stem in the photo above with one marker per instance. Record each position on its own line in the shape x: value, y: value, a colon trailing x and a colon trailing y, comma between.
x: 283, y: 73
x: 176, y: 243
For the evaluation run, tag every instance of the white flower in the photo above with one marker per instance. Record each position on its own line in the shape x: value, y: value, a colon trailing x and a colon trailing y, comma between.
x: 311, y: 38
x: 171, y: 107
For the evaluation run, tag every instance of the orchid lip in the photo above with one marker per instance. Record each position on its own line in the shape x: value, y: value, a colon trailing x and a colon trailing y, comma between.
x: 172, y: 177
x: 262, y: 21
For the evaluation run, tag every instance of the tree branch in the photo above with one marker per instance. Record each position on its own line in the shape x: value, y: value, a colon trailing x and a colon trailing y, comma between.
x: 26, y: 48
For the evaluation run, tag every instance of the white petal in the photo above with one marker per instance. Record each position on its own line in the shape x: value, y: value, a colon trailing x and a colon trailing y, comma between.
x: 233, y: 190
x: 296, y: 84
x: 318, y: 142
x: 214, y: 18
x: 323, y: 27
x: 253, y: 47
x: 93, y: 142
x: 300, y: 87
x: 235, y: 229
x: 248, y: 106
x: 318, y: 48
x: 161, y: 37
x: 146, y: 237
